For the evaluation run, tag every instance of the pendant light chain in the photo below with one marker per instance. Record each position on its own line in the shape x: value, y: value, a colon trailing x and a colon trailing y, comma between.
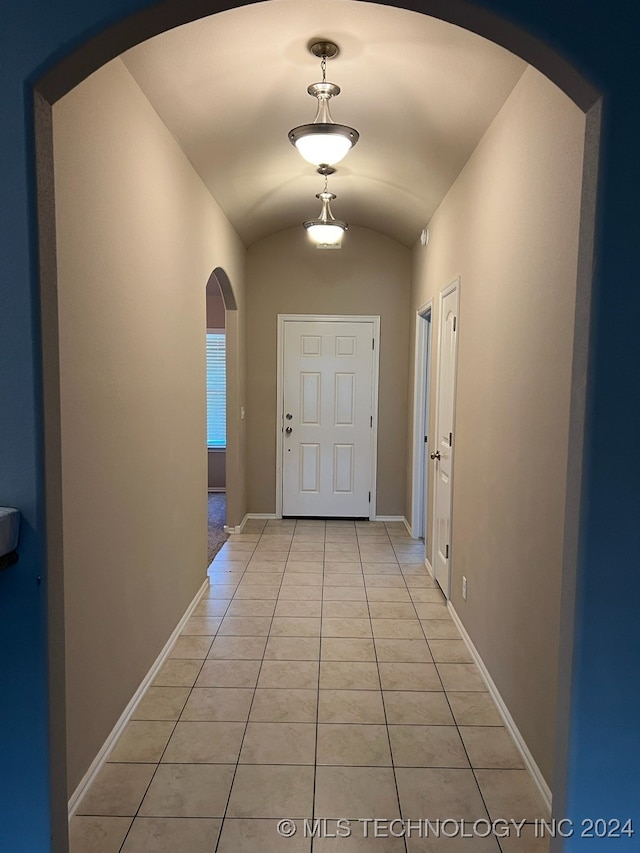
x: 323, y: 66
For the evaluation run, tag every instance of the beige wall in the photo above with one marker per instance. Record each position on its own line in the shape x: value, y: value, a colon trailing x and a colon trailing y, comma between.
x: 137, y: 238
x: 287, y: 275
x: 509, y: 228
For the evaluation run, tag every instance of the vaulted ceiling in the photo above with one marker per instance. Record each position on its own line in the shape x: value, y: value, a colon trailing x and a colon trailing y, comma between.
x: 421, y: 93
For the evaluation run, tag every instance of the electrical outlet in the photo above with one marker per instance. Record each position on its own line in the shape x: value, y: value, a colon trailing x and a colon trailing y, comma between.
x: 464, y: 587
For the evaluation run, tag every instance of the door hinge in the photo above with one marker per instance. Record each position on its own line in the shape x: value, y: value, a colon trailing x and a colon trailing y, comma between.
x: 426, y: 439
x: 373, y: 343
x: 450, y: 439
x: 446, y: 554
x: 371, y: 421
x: 455, y: 323
x: 369, y: 497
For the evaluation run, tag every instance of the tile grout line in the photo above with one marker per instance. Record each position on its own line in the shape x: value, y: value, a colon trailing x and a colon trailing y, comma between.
x: 315, y: 761
x: 235, y: 772
x: 384, y: 710
x: 313, y: 843
x: 228, y: 606
x: 206, y: 658
x: 240, y: 748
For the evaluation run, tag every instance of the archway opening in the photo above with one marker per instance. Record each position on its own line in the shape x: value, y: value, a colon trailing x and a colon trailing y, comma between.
x: 219, y: 303
x: 59, y: 79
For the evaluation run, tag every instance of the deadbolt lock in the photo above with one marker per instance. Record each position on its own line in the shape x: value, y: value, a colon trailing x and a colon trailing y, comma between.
x: 289, y: 430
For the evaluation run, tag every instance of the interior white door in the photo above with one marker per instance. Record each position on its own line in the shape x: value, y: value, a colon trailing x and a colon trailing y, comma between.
x: 442, y: 453
x: 327, y: 418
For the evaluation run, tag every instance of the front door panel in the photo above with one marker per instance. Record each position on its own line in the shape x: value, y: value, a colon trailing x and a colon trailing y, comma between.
x: 327, y: 418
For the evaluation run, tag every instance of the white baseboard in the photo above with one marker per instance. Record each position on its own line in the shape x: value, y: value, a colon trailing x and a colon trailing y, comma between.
x: 216, y: 490
x: 101, y: 757
x: 259, y: 515
x: 428, y: 566
x: 530, y: 764
x: 409, y: 528
x: 268, y: 516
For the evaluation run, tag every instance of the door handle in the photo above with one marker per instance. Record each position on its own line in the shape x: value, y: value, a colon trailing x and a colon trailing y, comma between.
x: 289, y: 430
x: 435, y: 455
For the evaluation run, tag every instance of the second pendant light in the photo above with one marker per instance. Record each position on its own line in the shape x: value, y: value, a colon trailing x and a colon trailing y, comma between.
x: 326, y: 230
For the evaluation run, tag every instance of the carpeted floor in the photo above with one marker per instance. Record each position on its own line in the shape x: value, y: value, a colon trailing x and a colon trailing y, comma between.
x: 217, y: 520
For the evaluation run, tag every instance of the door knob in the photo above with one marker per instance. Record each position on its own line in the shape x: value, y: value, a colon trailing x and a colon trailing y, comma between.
x: 435, y: 455
x: 288, y: 416
x: 289, y: 430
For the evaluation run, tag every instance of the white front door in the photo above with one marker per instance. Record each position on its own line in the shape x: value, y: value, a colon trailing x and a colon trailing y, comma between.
x: 327, y: 417
x: 442, y: 447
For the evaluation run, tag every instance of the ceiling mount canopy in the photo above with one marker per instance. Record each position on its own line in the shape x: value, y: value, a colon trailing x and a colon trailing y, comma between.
x: 323, y: 142
x: 326, y: 230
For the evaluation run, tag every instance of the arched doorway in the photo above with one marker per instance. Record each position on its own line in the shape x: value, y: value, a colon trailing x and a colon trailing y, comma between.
x: 221, y: 381
x: 234, y: 459
x: 571, y: 82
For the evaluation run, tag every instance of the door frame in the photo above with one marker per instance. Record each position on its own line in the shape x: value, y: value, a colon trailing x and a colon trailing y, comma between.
x: 449, y: 288
x: 421, y: 415
x: 328, y: 318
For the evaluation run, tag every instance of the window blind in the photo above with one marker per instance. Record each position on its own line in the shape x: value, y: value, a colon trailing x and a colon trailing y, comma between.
x: 216, y: 390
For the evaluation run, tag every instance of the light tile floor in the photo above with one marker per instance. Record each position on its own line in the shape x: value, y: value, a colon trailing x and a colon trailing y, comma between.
x: 319, y: 677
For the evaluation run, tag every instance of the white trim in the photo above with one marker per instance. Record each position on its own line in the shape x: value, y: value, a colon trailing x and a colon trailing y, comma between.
x: 374, y: 414
x: 219, y: 490
x: 421, y: 402
x: 240, y: 527
x: 455, y: 284
x: 279, y: 412
x: 101, y: 757
x: 408, y: 526
x: 272, y: 515
x: 428, y: 566
x: 529, y: 761
x: 328, y: 318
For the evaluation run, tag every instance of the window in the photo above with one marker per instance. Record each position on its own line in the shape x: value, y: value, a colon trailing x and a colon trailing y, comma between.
x: 216, y: 389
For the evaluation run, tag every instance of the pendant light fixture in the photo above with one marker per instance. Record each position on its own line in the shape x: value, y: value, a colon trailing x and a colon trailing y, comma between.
x: 326, y: 230
x: 323, y: 142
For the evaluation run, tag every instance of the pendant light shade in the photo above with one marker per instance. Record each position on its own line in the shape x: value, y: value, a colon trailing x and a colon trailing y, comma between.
x: 323, y: 142
x: 326, y: 230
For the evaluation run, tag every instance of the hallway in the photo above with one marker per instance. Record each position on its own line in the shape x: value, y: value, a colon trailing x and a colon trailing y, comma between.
x: 320, y: 676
